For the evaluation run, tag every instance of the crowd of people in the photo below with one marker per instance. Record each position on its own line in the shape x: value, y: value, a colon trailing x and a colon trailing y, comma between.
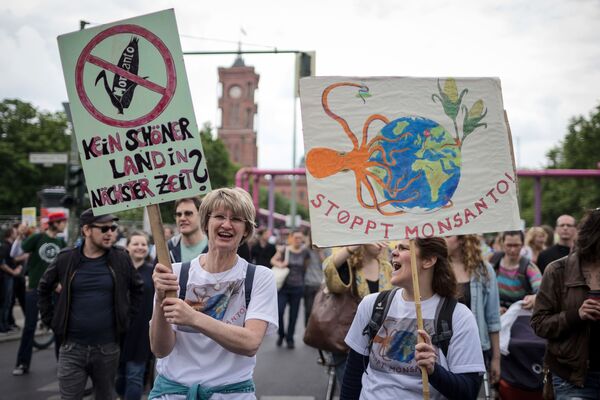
x: 100, y: 299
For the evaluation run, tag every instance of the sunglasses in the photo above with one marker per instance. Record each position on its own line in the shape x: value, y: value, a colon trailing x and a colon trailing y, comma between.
x: 187, y: 214
x: 105, y: 228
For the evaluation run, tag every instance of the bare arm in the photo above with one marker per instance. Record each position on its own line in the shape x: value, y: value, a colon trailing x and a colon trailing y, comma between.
x: 162, y: 336
x: 244, y: 340
x: 340, y: 257
x: 278, y: 260
x: 495, y: 363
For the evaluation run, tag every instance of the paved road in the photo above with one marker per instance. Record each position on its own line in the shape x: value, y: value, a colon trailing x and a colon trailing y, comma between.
x: 280, y: 374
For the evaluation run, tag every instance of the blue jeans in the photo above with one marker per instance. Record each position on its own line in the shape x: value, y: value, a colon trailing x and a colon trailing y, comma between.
x: 31, y: 319
x: 77, y: 362
x: 130, y: 380
x: 564, y: 390
x: 293, y: 296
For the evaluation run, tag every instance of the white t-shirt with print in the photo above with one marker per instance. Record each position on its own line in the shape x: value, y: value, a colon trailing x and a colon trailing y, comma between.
x: 392, y: 369
x: 198, y: 359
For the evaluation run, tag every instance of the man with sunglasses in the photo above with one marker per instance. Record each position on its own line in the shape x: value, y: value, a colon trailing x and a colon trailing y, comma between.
x: 190, y: 242
x: 99, y: 293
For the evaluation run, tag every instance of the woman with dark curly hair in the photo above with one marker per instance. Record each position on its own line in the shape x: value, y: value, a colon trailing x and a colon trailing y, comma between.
x: 392, y: 367
x: 478, y: 290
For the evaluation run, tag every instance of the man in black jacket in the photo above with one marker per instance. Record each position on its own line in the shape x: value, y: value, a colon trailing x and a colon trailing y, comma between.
x: 99, y: 291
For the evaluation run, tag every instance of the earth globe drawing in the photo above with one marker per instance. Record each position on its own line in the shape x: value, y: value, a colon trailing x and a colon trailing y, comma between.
x: 423, y: 165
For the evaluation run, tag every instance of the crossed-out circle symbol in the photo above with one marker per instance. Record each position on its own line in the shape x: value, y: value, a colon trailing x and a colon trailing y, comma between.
x: 166, y: 92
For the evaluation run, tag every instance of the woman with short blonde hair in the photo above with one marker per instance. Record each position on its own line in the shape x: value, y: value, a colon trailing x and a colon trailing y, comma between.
x: 206, y: 339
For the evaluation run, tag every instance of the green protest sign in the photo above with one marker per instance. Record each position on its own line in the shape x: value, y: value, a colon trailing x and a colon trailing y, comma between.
x: 132, y: 113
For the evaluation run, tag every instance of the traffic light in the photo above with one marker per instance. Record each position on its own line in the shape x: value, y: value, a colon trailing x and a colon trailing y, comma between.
x: 75, y: 179
x: 305, y: 66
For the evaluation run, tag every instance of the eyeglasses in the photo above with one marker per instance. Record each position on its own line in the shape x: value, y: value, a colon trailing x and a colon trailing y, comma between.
x: 222, y: 218
x: 187, y: 214
x: 566, y: 226
x: 105, y: 228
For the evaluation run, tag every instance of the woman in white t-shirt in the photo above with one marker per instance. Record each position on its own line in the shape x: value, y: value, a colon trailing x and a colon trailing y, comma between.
x: 206, y: 344
x: 391, y: 369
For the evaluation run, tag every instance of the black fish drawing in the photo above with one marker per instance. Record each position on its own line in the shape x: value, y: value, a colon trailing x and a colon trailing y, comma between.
x: 122, y: 89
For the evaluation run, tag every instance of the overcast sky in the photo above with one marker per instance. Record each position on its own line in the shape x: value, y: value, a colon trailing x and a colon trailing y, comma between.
x: 546, y: 53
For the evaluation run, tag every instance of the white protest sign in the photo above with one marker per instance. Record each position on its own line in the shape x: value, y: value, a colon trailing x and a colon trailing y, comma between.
x: 400, y: 158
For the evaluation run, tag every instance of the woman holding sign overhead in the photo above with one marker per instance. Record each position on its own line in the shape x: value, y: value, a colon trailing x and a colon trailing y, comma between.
x: 389, y: 365
x: 206, y: 339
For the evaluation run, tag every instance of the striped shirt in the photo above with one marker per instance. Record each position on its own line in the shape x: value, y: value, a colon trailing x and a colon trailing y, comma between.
x: 510, y: 287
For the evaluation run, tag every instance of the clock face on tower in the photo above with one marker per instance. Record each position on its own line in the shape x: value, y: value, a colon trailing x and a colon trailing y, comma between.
x: 235, y: 92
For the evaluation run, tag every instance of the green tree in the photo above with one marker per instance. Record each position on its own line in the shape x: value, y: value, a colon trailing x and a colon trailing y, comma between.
x: 220, y: 167
x: 580, y: 149
x: 25, y: 129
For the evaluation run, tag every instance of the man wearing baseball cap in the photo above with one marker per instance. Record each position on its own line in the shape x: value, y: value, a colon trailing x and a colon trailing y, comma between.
x: 43, y: 248
x: 101, y: 291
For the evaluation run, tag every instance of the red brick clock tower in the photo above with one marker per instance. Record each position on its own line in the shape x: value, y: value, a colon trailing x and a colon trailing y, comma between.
x: 237, y: 112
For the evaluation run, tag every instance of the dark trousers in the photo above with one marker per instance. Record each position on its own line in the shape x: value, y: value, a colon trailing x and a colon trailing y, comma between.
x: 18, y: 295
x: 5, y: 302
x: 291, y: 295
x: 309, y: 298
x: 31, y: 318
x: 77, y: 362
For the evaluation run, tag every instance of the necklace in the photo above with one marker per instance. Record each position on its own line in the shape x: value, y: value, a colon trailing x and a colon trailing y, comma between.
x: 217, y: 285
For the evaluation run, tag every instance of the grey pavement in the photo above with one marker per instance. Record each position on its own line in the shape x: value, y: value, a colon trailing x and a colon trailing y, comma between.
x: 280, y: 373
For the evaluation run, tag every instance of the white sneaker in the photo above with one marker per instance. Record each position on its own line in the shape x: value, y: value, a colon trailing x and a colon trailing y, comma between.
x: 20, y: 369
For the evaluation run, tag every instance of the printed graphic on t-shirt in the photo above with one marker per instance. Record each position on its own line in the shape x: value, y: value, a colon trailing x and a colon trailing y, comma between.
x: 215, y: 303
x: 394, y: 346
x: 48, y: 252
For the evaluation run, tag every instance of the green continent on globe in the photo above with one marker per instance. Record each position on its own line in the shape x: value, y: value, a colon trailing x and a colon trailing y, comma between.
x: 416, y: 165
x: 438, y: 158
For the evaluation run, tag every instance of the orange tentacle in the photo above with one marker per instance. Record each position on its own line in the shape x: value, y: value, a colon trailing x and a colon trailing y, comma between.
x: 410, y: 181
x: 359, y: 196
x: 336, y: 117
x: 377, y: 204
x: 379, y: 165
x: 385, y: 156
x: 380, y: 138
x: 372, y: 118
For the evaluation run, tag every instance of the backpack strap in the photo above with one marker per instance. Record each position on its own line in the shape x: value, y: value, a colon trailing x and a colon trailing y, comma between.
x: 443, y: 324
x: 183, y: 278
x: 495, y: 260
x: 522, y: 274
x: 248, y: 282
x: 380, y: 310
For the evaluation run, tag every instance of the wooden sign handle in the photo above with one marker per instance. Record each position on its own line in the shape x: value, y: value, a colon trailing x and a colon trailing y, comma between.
x: 158, y: 233
x: 417, y: 295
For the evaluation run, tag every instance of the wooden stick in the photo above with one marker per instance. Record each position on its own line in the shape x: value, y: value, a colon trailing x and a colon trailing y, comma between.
x: 417, y: 296
x: 158, y: 233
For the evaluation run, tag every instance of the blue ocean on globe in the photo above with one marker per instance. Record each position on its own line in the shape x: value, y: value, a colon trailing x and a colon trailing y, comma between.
x: 423, y: 162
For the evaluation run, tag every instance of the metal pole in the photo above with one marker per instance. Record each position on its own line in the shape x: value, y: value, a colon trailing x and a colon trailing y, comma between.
x: 537, y: 190
x: 271, y: 202
x: 204, y: 53
x: 293, y: 199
